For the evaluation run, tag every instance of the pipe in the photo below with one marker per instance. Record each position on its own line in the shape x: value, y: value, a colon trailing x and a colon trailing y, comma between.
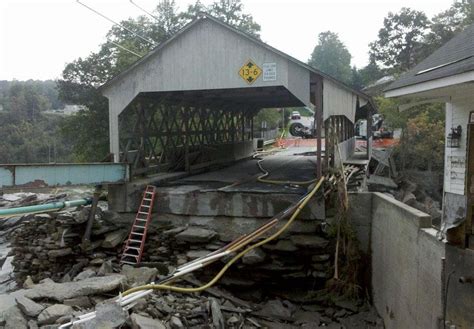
x: 233, y: 260
x: 43, y: 207
x: 135, y: 293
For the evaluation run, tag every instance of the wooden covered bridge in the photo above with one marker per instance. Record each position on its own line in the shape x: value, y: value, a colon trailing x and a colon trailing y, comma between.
x: 191, y: 101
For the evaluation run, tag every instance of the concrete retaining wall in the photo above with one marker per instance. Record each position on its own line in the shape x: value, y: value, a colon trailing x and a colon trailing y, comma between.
x: 460, y: 299
x: 405, y: 254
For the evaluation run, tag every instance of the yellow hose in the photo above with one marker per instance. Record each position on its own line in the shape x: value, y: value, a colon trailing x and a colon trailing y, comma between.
x: 233, y: 260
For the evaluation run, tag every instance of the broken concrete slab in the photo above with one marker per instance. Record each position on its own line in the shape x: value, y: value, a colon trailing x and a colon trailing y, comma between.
x: 302, y: 317
x: 14, y: 319
x: 275, y: 309
x: 59, y: 252
x: 347, y: 304
x: 54, y: 312
x: 89, y: 273
x: 254, y: 256
x: 105, y: 268
x: 81, y: 302
x: 32, y: 324
x: 309, y: 241
x: 176, y: 323
x: 282, y: 245
x: 29, y: 307
x: 113, y: 239
x: 67, y: 290
x: 143, y: 322
x: 108, y: 315
x: 174, y: 231
x: 217, y: 318
x: 140, y: 275
x: 195, y: 254
x: 196, y: 235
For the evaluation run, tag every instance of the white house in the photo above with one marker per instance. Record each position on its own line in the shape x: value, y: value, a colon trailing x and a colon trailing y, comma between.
x: 447, y: 76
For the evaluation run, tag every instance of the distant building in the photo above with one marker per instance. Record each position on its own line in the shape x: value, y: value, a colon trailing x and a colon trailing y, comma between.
x: 67, y: 110
x: 377, y: 88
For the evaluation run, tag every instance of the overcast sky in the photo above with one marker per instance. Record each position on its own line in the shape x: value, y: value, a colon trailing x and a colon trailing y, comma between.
x: 38, y: 37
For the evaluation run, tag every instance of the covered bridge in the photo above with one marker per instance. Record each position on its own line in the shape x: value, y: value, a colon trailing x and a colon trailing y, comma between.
x: 190, y: 102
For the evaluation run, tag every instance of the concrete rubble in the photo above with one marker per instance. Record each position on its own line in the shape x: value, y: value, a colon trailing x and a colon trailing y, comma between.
x: 61, y: 277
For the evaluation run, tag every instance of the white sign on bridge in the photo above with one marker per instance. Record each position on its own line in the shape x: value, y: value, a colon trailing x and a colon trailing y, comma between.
x: 269, y: 71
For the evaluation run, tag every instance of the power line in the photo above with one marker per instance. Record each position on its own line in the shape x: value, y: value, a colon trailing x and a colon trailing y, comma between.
x: 128, y: 50
x: 145, y: 11
x: 153, y: 43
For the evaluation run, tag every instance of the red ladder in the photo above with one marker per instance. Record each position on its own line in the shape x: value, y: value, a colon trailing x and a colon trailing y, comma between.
x: 133, y: 250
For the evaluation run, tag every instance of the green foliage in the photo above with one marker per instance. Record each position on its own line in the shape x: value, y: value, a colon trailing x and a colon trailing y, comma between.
x: 422, y: 141
x: 272, y: 117
x: 27, y: 135
x: 230, y: 12
x: 28, y: 98
x: 447, y: 23
x: 370, y: 73
x: 388, y: 107
x: 400, y: 40
x: 27, y: 141
x: 357, y: 81
x: 88, y: 130
x: 332, y: 57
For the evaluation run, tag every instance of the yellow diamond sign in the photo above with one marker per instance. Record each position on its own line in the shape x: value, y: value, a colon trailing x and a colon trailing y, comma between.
x: 250, y: 72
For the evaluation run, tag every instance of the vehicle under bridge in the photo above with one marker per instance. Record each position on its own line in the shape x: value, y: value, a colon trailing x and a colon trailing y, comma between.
x: 189, y: 104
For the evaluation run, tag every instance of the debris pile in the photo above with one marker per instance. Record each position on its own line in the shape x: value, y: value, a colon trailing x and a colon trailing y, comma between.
x: 50, y: 303
x: 50, y: 245
x: 63, y: 277
x: 23, y: 199
x: 300, y: 258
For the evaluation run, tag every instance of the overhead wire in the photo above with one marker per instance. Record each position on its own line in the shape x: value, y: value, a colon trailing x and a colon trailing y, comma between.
x: 150, y: 41
x: 144, y: 10
x: 126, y: 49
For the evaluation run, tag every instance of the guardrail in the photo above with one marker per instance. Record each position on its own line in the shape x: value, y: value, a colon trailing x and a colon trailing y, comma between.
x: 63, y: 174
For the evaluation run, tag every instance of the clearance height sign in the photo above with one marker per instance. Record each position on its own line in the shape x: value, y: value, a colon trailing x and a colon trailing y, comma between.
x: 250, y: 72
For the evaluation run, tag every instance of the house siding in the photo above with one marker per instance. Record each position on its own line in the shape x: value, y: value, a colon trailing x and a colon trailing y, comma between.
x: 457, y: 113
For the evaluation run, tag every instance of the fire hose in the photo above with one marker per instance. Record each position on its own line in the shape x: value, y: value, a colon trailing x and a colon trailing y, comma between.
x: 128, y: 297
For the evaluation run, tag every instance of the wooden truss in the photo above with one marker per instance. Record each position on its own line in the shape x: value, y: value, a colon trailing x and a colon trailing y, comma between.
x: 338, y: 129
x: 163, y: 136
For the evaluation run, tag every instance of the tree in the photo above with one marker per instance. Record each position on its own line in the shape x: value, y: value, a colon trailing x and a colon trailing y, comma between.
x: 231, y: 12
x: 371, y: 73
x: 193, y: 11
x: 88, y: 130
x: 168, y: 19
x: 332, y: 57
x: 357, y: 81
x: 400, y: 41
x: 423, y: 142
x: 449, y: 22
